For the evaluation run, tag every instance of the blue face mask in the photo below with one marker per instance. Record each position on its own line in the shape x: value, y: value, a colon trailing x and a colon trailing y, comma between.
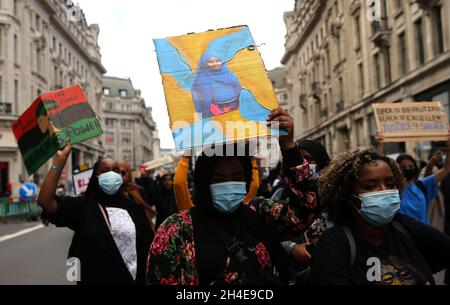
x: 228, y: 196
x: 313, y: 168
x: 110, y: 182
x: 380, y: 208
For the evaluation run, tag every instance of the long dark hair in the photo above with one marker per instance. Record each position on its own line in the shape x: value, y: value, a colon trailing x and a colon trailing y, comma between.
x: 317, y: 151
x: 203, y: 174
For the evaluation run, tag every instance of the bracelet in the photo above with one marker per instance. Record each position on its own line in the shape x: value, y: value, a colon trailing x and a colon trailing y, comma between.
x: 57, y: 168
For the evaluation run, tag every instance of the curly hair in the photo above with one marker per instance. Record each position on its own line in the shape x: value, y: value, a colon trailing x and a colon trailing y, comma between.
x: 337, y: 181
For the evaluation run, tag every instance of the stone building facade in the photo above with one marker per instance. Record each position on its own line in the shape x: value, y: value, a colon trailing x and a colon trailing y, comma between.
x: 338, y: 62
x: 44, y: 48
x: 130, y: 132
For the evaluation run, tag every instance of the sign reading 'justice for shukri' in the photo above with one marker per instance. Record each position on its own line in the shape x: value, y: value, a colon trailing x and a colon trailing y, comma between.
x: 410, y: 122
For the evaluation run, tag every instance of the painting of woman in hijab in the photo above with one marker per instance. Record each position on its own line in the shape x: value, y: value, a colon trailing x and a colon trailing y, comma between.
x: 216, y: 89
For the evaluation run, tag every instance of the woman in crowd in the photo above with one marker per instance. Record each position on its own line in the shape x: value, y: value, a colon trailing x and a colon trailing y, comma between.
x: 164, y: 200
x: 223, y: 241
x: 180, y: 184
x: 135, y: 192
x: 371, y: 242
x: 112, y: 235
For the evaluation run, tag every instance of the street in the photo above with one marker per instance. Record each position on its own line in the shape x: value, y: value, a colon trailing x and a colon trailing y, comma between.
x: 34, y: 258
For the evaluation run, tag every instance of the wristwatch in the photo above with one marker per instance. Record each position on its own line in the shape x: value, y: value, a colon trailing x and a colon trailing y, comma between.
x: 57, y: 168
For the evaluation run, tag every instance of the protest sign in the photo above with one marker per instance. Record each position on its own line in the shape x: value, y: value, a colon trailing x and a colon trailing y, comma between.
x: 47, y: 124
x: 412, y: 122
x: 81, y: 181
x: 158, y: 163
x: 216, y: 87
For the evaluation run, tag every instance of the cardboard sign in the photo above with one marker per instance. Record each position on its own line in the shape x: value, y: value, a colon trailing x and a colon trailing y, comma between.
x: 44, y: 127
x: 81, y: 181
x: 412, y: 122
x: 158, y: 163
x: 216, y: 86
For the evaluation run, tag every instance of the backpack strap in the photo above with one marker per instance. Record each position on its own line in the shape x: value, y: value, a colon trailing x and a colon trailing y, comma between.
x: 422, y: 187
x: 352, y: 244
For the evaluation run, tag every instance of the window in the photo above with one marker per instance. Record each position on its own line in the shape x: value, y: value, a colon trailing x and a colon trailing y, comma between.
x: 439, y: 30
x: 419, y: 38
x: 38, y: 22
x: 387, y: 65
x: 15, y: 8
x: 16, y: 49
x: 16, y: 95
x: 123, y: 93
x: 54, y: 44
x: 328, y: 58
x: 1, y: 41
x: 106, y: 91
x: 109, y: 122
x: 360, y: 133
x: 126, y: 138
x: 403, y: 53
x: 358, y: 31
x: 361, y: 80
x: 341, y: 89
x: 377, y: 70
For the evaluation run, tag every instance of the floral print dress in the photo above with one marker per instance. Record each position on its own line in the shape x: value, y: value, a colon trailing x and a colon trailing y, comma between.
x: 172, y: 257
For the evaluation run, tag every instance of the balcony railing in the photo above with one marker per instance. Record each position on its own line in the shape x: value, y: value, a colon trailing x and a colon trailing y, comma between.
x: 380, y: 32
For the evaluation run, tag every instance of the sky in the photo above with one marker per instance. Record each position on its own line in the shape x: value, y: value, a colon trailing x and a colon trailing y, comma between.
x: 127, y: 28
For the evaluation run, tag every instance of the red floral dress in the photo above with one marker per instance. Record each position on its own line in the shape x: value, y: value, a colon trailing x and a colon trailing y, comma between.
x: 172, y: 258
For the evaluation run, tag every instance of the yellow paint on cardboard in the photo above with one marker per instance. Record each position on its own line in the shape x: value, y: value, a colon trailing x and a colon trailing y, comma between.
x: 192, y: 49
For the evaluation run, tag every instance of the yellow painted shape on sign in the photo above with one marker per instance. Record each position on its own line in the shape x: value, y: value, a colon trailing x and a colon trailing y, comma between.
x: 235, y: 127
x: 192, y: 49
x: 249, y: 68
x: 179, y: 102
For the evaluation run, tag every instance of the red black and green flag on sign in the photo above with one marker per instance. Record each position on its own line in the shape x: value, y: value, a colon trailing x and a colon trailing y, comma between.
x: 53, y: 118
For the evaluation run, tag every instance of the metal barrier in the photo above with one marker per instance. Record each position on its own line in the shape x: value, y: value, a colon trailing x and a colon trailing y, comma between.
x: 14, y: 208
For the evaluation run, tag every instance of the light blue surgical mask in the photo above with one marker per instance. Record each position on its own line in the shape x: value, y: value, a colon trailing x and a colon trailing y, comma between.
x: 228, y: 196
x: 313, y: 168
x: 380, y: 208
x: 110, y: 182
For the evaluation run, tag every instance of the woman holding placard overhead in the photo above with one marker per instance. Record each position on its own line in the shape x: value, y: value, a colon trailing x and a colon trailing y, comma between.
x: 224, y: 241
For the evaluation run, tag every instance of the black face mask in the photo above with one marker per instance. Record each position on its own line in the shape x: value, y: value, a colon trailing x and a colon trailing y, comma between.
x: 410, y: 174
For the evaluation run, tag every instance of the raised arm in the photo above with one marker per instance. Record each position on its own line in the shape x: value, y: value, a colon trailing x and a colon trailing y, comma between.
x: 46, y: 197
x: 293, y: 218
x: 180, y: 185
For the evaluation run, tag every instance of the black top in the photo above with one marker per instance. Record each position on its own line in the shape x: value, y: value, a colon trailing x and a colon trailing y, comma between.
x: 93, y: 244
x: 165, y: 205
x: 402, y: 262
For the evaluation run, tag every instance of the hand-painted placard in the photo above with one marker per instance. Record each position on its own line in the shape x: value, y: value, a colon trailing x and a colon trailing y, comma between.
x: 216, y: 86
x: 47, y: 124
x: 81, y: 181
x: 412, y: 122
